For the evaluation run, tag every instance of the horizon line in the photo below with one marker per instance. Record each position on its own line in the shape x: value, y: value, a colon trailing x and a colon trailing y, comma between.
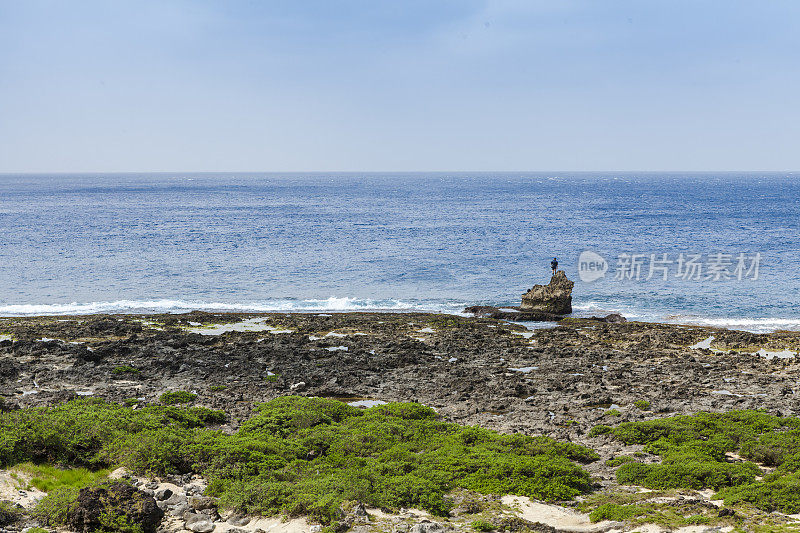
x: 120, y: 172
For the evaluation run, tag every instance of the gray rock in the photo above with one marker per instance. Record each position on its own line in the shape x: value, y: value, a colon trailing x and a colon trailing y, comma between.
x: 239, y: 520
x: 175, y: 499
x: 179, y: 510
x: 426, y: 526
x: 198, y: 523
x: 163, y: 494
x: 202, y: 502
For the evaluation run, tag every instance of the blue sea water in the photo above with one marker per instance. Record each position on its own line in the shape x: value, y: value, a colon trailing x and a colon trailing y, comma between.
x: 434, y: 241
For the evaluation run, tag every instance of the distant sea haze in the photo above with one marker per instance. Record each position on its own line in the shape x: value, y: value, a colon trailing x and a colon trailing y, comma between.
x: 113, y: 243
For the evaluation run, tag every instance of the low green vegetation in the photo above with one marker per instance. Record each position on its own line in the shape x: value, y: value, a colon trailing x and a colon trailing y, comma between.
x: 218, y: 388
x: 177, y: 397
x: 124, y: 369
x: 601, y: 429
x: 613, y: 412
x: 696, y: 453
x: 482, y: 525
x: 8, y: 515
x: 298, y: 456
x: 620, y: 460
x: 613, y: 511
x: 55, y: 508
x: 48, y: 478
x: 644, y: 405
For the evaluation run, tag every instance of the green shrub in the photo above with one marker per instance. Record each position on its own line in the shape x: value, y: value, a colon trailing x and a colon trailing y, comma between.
x: 644, y: 405
x: 218, y: 388
x: 125, y: 370
x: 482, y: 525
x: 8, y: 514
x: 781, y: 493
x: 56, y: 508
x: 613, y: 412
x: 182, y: 396
x: 298, y: 455
x: 693, y: 451
x: 613, y: 511
x: 688, y: 475
x: 620, y: 460
x: 600, y: 430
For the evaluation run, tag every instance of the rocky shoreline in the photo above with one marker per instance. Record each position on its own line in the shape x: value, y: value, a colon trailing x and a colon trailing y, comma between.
x: 558, y: 381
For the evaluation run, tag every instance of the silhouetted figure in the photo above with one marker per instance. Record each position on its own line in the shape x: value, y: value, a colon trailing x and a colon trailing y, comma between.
x: 554, y: 265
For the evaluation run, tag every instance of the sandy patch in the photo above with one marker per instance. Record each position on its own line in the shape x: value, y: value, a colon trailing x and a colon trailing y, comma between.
x: 558, y: 517
x: 14, y: 490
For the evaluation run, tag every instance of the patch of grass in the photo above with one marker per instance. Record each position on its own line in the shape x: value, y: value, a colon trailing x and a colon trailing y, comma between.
x: 615, y: 512
x: 48, y: 478
x: 693, y: 451
x: 644, y: 405
x: 613, y: 412
x: 299, y: 456
x: 271, y: 378
x: 218, y: 388
x: 37, y: 530
x: 176, y: 397
x: 124, y: 369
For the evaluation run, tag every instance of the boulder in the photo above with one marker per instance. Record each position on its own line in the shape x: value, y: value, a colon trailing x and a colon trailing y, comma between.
x: 555, y: 297
x: 202, y: 502
x: 199, y: 523
x: 115, y: 501
x: 163, y: 494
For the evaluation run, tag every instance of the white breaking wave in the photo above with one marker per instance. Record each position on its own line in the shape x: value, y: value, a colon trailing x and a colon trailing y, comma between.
x: 183, y: 306
x: 753, y: 325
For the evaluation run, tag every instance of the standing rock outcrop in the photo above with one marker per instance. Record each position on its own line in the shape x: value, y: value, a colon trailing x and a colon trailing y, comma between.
x: 115, y: 506
x: 555, y: 297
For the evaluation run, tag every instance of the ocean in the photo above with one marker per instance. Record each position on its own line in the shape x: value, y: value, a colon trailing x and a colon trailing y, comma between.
x: 728, y: 244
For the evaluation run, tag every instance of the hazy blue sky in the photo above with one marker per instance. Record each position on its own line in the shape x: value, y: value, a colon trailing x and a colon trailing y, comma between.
x: 115, y: 85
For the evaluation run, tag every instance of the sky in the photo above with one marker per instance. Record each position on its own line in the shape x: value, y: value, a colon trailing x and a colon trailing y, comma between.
x: 399, y: 85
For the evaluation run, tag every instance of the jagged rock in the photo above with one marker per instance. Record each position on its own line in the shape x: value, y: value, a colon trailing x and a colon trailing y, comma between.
x: 116, y: 499
x: 613, y: 318
x: 555, y: 297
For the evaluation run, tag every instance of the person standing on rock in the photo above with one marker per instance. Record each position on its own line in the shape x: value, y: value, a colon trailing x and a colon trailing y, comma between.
x: 554, y: 265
